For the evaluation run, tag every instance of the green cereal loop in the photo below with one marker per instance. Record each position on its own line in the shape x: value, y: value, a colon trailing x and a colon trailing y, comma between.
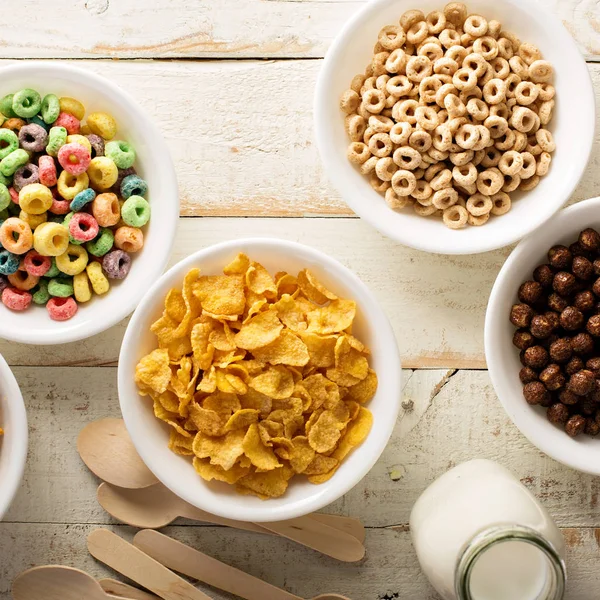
x: 102, y: 244
x: 65, y: 223
x: 121, y: 153
x: 9, y: 164
x: 8, y: 137
x: 135, y: 211
x: 57, y: 137
x: 53, y: 271
x: 3, y: 216
x: 7, y: 181
x: 6, y: 106
x: 5, y: 199
x: 41, y: 295
x: 61, y: 288
x: 26, y: 103
x: 50, y: 108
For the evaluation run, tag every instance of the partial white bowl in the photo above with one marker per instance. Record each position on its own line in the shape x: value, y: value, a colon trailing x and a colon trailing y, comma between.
x: 581, y: 453
x: 13, y: 444
x: 151, y: 436
x: 153, y: 163
x: 572, y: 126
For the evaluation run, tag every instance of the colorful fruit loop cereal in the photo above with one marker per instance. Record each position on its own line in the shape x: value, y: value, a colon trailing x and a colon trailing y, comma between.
x: 451, y: 116
x: 259, y: 377
x: 72, y: 206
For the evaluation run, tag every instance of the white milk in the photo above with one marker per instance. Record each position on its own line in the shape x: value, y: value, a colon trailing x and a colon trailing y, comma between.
x: 470, y: 499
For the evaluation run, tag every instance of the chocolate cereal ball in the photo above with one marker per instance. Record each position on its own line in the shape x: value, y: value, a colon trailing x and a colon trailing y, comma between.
x: 568, y: 398
x: 523, y: 339
x: 575, y: 425
x: 590, y: 239
x: 593, y: 365
x: 591, y: 427
x: 596, y: 264
x: 578, y: 250
x: 540, y: 327
x: 544, y: 275
x: 563, y: 283
x: 527, y: 375
x: 560, y: 257
x: 535, y: 392
x: 557, y: 303
x: 571, y: 318
x: 596, y: 287
x: 593, y: 325
x: 535, y: 357
x: 558, y: 414
x: 588, y: 406
x: 574, y: 365
x: 560, y: 350
x: 584, y: 301
x: 530, y: 292
x: 582, y: 343
x: 582, y: 268
x: 553, y: 318
x: 552, y: 377
x: 521, y: 315
x: 582, y: 382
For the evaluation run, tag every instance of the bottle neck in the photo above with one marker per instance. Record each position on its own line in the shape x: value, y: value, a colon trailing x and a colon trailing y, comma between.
x: 556, y: 575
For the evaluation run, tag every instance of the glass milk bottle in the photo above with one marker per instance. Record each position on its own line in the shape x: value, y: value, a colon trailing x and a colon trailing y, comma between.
x: 481, y: 535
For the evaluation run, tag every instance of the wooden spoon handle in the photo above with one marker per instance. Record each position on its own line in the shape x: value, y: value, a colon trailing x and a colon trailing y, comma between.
x: 118, y: 588
x: 190, y: 562
x: 191, y: 512
x: 318, y: 536
x: 128, y: 560
x: 351, y: 526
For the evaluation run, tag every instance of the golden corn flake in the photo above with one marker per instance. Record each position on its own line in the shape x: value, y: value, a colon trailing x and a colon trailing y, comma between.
x: 259, y: 377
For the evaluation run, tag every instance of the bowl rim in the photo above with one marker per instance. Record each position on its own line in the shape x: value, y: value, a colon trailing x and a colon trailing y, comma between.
x: 327, y: 147
x: 534, y: 434
x: 325, y: 493
x: 129, y: 302
x: 15, y: 406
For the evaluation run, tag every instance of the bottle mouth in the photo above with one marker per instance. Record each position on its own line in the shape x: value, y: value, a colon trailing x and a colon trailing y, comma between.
x: 553, y: 587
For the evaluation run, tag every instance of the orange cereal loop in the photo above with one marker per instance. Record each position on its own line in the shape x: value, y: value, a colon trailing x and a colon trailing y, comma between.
x: 16, y: 236
x: 106, y: 209
x: 23, y: 280
x: 129, y: 239
x: 14, y: 124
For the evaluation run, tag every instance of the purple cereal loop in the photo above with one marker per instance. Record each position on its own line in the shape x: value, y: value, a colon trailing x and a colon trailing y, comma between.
x: 116, y: 264
x: 33, y: 137
x: 25, y: 175
x: 97, y: 144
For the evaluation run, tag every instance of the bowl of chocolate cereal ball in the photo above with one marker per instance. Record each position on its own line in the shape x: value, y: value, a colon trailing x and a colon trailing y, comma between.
x: 542, y: 337
x: 451, y: 128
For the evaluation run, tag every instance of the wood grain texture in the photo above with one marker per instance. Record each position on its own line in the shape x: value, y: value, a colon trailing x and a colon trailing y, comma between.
x: 436, y: 304
x: 212, y: 28
x: 241, y: 135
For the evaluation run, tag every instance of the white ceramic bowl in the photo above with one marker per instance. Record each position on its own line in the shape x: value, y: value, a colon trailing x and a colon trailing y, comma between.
x: 13, y: 444
x: 572, y: 126
x: 581, y: 453
x: 153, y: 163
x: 150, y: 436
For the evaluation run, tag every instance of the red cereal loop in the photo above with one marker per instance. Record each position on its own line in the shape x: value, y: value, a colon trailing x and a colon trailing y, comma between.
x: 69, y: 122
x: 61, y: 309
x: 83, y: 227
x: 36, y: 264
x: 16, y: 299
x: 14, y: 195
x: 47, y: 170
x: 74, y: 158
x: 60, y: 207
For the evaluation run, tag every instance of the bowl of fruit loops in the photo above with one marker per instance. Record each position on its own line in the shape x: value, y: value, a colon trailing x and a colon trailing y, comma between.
x: 259, y: 379
x: 77, y: 178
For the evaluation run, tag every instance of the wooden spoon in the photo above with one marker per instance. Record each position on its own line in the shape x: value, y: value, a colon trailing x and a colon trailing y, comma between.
x: 109, y: 548
x: 156, y: 507
x: 118, y: 588
x: 190, y: 562
x: 55, y: 582
x: 107, y: 450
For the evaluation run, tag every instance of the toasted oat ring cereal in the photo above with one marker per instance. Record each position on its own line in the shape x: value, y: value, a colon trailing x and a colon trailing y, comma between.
x: 455, y: 217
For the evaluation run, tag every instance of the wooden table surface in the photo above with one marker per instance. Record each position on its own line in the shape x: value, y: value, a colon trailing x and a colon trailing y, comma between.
x: 229, y: 83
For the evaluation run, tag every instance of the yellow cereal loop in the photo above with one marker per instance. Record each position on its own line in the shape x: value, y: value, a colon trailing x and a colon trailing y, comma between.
x: 102, y: 172
x: 73, y: 261
x: 51, y: 239
x: 73, y: 107
x: 69, y: 185
x: 99, y: 282
x: 102, y: 124
x: 33, y: 220
x: 85, y: 129
x: 81, y: 287
x: 35, y: 198
x: 81, y: 140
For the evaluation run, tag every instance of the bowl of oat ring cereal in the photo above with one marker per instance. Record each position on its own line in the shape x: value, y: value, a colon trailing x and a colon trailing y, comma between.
x: 542, y: 337
x: 455, y: 128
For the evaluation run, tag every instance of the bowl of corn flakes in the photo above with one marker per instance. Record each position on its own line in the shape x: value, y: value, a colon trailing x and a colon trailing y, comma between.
x: 13, y: 437
x: 259, y: 380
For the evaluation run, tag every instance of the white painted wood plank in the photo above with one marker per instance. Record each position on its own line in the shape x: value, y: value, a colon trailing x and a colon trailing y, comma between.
x: 449, y: 418
x: 210, y: 28
x: 241, y: 136
x: 436, y: 304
